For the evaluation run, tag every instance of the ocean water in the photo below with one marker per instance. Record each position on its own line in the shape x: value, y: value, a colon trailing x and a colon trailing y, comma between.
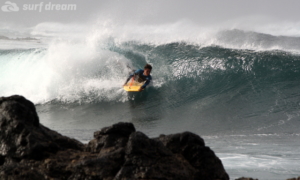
x: 238, y: 89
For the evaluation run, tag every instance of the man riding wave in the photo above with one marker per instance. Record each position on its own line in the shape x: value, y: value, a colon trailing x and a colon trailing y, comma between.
x: 142, y: 76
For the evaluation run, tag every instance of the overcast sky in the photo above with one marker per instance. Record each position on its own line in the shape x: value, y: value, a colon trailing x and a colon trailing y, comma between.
x: 153, y: 11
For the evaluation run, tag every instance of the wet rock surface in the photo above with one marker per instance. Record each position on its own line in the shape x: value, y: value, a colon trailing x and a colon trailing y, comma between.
x: 29, y: 150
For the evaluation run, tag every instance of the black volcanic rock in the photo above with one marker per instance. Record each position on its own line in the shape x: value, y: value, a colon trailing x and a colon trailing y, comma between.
x: 18, y: 108
x: 28, y: 150
x: 22, y: 136
x: 192, y: 148
x: 150, y: 159
x: 110, y: 138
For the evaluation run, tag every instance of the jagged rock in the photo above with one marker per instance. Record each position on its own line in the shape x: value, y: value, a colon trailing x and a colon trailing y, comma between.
x: 150, y: 159
x: 110, y: 138
x: 22, y: 136
x: 109, y: 147
x: 28, y: 150
x: 192, y: 148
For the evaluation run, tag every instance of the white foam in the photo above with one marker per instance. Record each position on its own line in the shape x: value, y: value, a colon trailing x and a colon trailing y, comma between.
x: 66, y: 71
x: 259, y: 163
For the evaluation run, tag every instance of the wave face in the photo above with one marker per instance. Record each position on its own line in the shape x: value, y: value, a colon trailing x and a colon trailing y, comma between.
x: 241, y: 83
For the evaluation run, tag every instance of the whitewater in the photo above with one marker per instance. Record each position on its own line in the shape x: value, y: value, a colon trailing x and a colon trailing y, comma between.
x: 238, y: 88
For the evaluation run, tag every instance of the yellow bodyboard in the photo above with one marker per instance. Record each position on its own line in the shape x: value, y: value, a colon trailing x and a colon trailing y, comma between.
x: 135, y: 86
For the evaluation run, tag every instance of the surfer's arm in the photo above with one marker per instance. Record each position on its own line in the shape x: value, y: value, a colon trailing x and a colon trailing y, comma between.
x: 146, y: 83
x: 131, y: 75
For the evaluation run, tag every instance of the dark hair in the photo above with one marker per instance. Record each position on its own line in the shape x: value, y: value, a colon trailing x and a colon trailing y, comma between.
x: 148, y: 66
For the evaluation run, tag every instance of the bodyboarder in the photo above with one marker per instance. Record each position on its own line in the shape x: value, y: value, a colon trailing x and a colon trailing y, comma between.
x: 141, y: 76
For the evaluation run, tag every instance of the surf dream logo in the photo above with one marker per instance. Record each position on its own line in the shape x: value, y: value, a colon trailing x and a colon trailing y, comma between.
x: 12, y: 7
x: 9, y: 7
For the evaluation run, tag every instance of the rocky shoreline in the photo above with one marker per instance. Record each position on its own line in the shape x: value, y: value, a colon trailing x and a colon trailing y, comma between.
x: 29, y: 150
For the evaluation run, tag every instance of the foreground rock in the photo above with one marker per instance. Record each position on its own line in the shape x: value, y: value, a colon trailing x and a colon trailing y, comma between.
x: 28, y: 150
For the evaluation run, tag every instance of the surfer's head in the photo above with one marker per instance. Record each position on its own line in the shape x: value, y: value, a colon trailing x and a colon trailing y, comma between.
x: 147, y: 69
